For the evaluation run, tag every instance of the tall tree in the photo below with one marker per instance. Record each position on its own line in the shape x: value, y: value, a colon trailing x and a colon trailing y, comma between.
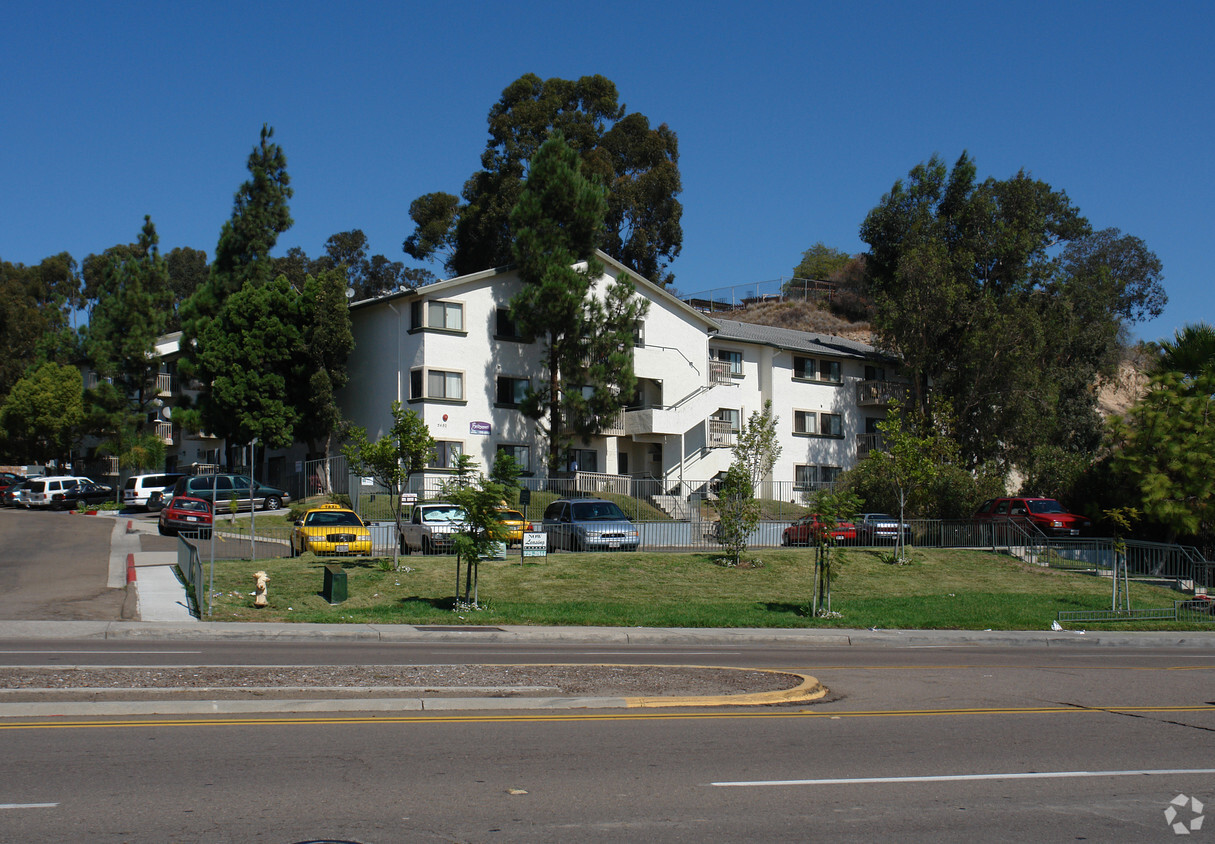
x: 133, y: 305
x: 369, y: 276
x: 188, y: 271
x: 638, y: 164
x: 820, y: 262
x: 34, y: 305
x: 328, y: 342
x: 971, y: 294
x: 588, y: 339
x: 1165, y: 446
x: 260, y: 214
x: 41, y: 416
x: 1190, y: 353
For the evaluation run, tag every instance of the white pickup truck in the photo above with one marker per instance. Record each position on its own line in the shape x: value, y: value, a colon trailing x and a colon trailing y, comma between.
x: 432, y: 528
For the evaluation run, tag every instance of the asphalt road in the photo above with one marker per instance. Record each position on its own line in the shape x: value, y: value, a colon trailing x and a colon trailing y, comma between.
x: 55, y: 566
x: 924, y: 743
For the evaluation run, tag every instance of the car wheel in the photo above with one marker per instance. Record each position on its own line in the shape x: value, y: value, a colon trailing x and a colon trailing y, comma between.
x: 82, y: 504
x: 162, y: 530
x: 272, y: 502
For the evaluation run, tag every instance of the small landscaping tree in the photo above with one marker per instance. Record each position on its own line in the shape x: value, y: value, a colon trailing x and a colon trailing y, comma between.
x: 832, y: 507
x: 391, y: 459
x: 738, y: 512
x: 481, y: 500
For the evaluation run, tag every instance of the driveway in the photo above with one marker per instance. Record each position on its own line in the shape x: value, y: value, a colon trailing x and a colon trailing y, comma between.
x: 55, y: 566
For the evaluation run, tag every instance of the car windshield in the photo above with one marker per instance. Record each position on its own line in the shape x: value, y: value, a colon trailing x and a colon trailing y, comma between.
x: 443, y: 514
x: 1045, y: 505
x: 598, y: 511
x: 331, y: 518
x: 509, y: 516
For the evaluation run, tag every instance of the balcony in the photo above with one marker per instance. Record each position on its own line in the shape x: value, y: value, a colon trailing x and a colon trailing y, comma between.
x: 720, y: 433
x: 881, y: 393
x: 720, y: 372
x: 866, y: 443
x: 164, y: 430
x: 166, y: 384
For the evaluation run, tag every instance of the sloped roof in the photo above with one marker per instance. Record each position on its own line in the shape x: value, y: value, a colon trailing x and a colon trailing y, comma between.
x: 794, y: 340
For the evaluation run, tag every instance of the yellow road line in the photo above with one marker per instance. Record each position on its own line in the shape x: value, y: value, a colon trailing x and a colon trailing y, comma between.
x: 595, y: 716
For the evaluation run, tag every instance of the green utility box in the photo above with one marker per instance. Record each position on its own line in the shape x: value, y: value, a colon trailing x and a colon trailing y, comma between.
x: 335, y: 584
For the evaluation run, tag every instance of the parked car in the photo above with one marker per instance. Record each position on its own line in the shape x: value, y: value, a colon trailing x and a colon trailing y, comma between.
x: 80, y: 494
x: 876, y: 528
x: 432, y: 527
x: 40, y: 492
x: 1046, y: 514
x: 226, y: 488
x: 7, y: 479
x: 589, y: 524
x: 515, y: 526
x: 810, y: 529
x: 15, y: 495
x: 330, y: 530
x: 139, y: 490
x: 185, y: 513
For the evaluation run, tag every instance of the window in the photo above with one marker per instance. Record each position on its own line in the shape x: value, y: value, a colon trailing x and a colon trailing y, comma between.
x: 875, y: 373
x: 436, y: 384
x: 506, y: 328
x: 582, y: 460
x: 814, y: 477
x: 639, y: 335
x: 522, y: 455
x: 735, y: 359
x: 811, y: 423
x: 446, y: 454
x: 813, y: 369
x: 731, y: 415
x: 436, y: 316
x: 511, y: 391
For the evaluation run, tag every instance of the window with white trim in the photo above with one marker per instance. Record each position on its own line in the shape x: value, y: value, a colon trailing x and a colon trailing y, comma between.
x: 521, y: 453
x: 730, y: 414
x: 815, y: 369
x: 436, y: 384
x: 446, y: 454
x: 437, y: 315
x: 811, y: 477
x: 511, y: 391
x: 735, y: 359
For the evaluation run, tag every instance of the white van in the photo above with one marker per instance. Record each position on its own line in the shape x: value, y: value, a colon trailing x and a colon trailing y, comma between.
x: 41, y: 491
x: 139, y: 488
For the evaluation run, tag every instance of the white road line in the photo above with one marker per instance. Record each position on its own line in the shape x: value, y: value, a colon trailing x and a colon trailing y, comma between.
x: 100, y: 653
x: 968, y: 777
x: 28, y: 805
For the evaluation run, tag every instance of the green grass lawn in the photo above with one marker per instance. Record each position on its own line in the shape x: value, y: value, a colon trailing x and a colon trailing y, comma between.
x: 938, y: 589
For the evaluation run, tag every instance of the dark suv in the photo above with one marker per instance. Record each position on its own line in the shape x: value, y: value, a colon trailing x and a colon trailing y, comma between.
x: 1046, y: 514
x: 589, y: 524
x: 225, y: 488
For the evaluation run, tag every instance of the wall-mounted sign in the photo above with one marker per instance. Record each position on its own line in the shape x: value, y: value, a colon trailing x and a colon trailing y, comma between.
x: 479, y: 428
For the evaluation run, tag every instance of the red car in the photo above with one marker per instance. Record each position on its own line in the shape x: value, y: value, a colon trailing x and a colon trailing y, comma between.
x: 186, y: 513
x: 810, y: 529
x: 1046, y: 514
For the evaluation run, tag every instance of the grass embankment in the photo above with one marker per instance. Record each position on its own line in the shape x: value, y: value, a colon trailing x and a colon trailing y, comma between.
x: 938, y: 589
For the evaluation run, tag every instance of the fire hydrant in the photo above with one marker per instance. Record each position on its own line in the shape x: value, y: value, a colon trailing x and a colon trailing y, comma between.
x: 262, y: 579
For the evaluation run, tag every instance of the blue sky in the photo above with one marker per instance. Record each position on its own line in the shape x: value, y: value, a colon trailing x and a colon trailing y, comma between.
x: 793, y: 118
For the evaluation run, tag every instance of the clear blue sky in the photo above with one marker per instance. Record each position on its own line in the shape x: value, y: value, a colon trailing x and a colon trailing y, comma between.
x: 793, y: 118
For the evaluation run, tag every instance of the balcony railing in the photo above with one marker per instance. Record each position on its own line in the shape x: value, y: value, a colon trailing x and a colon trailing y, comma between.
x: 166, y: 384
x: 866, y: 443
x: 720, y: 372
x: 164, y: 430
x: 880, y: 393
x: 721, y: 433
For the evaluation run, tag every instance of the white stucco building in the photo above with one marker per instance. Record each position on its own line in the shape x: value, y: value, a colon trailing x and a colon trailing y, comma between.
x: 449, y: 352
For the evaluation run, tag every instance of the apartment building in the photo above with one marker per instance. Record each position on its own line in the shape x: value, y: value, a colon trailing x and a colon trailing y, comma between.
x: 450, y: 352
